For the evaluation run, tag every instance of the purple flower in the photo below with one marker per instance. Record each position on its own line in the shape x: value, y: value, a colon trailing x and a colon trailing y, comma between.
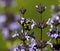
x: 17, y: 17
x: 33, y: 43
x: 15, y: 49
x: 9, y: 2
x: 2, y: 3
x: 14, y: 26
x: 5, y: 32
x: 53, y: 34
x: 2, y: 18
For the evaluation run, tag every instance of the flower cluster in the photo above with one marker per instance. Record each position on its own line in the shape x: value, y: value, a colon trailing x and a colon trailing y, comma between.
x: 13, y: 25
x: 5, y: 3
x: 54, y: 21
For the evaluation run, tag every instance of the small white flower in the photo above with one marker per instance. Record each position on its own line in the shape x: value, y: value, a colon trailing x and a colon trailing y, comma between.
x: 33, y: 24
x: 45, y: 7
x: 49, y: 21
x: 49, y: 42
x: 22, y: 50
x: 52, y: 21
x: 52, y: 7
x: 50, y: 29
x: 57, y: 17
x: 36, y: 6
x: 15, y: 35
x: 22, y: 20
x: 51, y: 26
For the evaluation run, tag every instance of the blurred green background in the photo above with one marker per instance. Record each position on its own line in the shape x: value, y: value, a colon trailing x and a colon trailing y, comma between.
x: 32, y: 14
